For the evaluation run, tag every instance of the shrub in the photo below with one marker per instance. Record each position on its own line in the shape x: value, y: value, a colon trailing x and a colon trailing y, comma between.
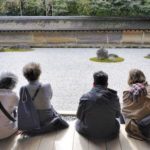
x: 9, y: 8
x: 75, y: 7
x: 33, y: 8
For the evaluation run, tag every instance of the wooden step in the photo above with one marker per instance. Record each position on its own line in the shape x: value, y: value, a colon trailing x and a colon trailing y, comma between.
x: 69, y: 139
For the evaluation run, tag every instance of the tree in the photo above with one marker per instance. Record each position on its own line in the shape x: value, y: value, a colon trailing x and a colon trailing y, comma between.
x: 2, y: 7
x: 100, y: 8
x: 72, y: 7
x: 60, y: 8
x: 10, y: 8
x: 75, y: 7
x: 34, y: 8
x: 49, y: 7
x: 84, y: 7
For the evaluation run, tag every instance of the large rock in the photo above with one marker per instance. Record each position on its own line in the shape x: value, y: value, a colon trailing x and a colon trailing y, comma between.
x: 148, y: 55
x: 113, y: 56
x: 102, y: 53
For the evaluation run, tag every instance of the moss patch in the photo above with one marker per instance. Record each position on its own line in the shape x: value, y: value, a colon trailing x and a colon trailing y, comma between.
x: 118, y: 59
x: 15, y: 50
x: 148, y: 57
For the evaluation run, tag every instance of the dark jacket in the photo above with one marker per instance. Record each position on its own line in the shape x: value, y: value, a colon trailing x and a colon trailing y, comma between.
x: 97, y: 113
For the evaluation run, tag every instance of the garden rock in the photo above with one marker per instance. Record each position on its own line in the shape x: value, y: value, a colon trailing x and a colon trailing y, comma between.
x: 102, y: 53
x: 148, y: 55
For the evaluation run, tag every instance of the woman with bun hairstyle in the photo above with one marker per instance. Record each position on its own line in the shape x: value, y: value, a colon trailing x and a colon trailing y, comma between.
x: 136, y: 106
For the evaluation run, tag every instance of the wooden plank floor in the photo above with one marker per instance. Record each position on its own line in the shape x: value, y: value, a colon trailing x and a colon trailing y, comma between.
x: 69, y: 139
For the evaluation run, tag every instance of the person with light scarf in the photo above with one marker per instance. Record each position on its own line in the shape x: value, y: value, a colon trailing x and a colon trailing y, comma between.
x: 136, y: 103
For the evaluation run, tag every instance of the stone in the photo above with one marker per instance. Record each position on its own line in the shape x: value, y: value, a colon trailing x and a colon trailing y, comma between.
x: 112, y: 56
x: 148, y: 55
x: 102, y: 53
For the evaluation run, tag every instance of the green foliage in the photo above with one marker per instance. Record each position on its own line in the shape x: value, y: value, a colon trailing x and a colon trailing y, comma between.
x: 84, y: 7
x: 72, y: 7
x: 33, y: 7
x: 102, y: 8
x: 1, y: 7
x: 59, y: 8
x: 14, y: 50
x: 107, y: 60
x: 75, y: 7
x: 148, y: 57
x: 9, y: 8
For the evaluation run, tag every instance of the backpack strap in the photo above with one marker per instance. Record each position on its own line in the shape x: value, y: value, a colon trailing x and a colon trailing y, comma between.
x: 35, y: 94
x: 6, y: 113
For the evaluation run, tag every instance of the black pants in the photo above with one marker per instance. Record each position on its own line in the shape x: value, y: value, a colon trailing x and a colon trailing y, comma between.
x: 84, y: 132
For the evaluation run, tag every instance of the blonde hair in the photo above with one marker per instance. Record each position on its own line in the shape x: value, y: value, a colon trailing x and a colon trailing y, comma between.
x: 136, y: 76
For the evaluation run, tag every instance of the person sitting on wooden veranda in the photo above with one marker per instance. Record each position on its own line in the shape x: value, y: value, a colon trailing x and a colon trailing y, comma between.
x: 47, y: 118
x: 98, y: 110
x: 8, y: 105
x: 136, y: 106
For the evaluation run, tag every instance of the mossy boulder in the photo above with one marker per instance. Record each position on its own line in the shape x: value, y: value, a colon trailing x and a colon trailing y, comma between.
x: 148, y: 56
x: 102, y: 53
x: 113, y: 55
x: 103, y: 56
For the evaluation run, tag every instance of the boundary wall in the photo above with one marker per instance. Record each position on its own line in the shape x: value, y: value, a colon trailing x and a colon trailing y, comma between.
x: 75, y: 31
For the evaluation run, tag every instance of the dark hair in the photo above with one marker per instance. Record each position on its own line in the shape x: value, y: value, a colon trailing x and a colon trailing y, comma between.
x: 32, y: 71
x: 8, y: 80
x: 136, y: 76
x: 100, y: 78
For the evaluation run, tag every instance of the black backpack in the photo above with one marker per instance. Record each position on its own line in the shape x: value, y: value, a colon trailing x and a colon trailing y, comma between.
x: 144, y: 126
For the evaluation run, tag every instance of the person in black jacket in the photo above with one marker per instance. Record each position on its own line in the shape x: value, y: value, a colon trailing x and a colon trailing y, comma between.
x: 98, y: 110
